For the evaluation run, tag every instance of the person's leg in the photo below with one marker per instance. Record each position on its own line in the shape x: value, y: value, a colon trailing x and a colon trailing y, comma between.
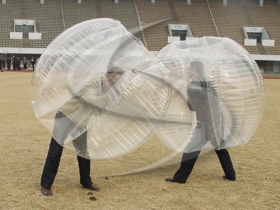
x: 84, y: 162
x: 51, y: 164
x: 61, y: 129
x: 190, y: 154
x: 84, y: 168
x: 80, y: 145
x: 85, y: 179
x: 222, y: 154
x: 186, y: 167
x: 226, y: 164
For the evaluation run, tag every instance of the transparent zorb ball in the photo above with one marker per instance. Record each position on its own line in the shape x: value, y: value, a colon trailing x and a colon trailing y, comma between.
x: 69, y: 96
x: 235, y: 95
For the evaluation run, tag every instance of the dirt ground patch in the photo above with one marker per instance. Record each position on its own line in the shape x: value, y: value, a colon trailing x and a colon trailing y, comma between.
x: 24, y: 144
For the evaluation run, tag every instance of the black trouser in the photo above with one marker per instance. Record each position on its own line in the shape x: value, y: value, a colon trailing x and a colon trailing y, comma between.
x: 202, y: 134
x: 55, y: 152
x: 189, y: 159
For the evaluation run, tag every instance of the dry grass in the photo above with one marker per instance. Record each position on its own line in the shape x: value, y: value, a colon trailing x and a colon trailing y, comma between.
x: 24, y: 144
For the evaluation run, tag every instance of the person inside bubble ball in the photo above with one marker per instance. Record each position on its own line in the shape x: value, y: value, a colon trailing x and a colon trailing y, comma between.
x: 94, y: 92
x: 198, y: 101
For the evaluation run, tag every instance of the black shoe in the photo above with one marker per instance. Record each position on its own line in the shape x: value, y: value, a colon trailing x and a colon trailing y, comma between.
x: 46, y: 192
x: 92, y: 187
x: 174, y: 180
x: 231, y: 179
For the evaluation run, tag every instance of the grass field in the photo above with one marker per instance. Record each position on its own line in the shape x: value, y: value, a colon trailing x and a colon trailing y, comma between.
x: 24, y: 145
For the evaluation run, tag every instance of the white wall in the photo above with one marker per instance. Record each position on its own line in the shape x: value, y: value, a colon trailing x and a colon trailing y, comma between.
x: 14, y: 50
x: 33, y: 35
x: 16, y: 35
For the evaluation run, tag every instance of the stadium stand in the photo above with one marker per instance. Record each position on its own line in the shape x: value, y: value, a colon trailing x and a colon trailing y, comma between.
x: 268, y: 16
x: 204, y: 17
x: 75, y: 13
x: 9, y: 12
x: 156, y: 35
x: 48, y: 18
x: 125, y: 12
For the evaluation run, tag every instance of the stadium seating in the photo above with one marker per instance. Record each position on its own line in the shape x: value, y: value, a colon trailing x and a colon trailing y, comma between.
x: 54, y: 16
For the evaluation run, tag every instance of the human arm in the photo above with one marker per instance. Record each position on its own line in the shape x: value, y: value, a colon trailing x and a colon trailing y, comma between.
x: 93, y: 95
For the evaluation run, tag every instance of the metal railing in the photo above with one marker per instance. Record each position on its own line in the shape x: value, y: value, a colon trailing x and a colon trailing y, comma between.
x: 214, y: 19
x: 140, y: 25
x: 62, y: 11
